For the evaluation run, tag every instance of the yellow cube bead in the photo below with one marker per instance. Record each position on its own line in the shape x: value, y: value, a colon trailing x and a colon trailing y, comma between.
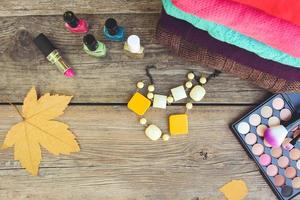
x: 139, y: 104
x: 178, y: 124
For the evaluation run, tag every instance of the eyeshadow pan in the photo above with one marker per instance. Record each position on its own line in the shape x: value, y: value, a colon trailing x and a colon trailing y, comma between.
x: 296, y: 183
x: 250, y: 138
x: 272, y: 170
x: 258, y: 149
x: 294, y: 154
x: 265, y: 159
x: 290, y: 172
x: 279, y: 180
x: 273, y: 121
x: 278, y: 103
x: 254, y: 119
x: 276, y: 152
x: 286, y: 191
x: 266, y: 111
x: 260, y: 130
x: 285, y: 114
x: 243, y: 127
x: 283, y: 162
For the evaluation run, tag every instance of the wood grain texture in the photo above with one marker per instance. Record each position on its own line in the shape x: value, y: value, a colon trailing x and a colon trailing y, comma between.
x: 107, y: 80
x: 117, y: 161
x: 57, y: 7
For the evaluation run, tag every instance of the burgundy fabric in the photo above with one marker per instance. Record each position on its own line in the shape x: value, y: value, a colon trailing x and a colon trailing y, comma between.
x: 200, y: 37
x: 168, y: 34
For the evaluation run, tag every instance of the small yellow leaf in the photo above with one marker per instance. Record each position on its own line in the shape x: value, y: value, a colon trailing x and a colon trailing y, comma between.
x: 38, y: 129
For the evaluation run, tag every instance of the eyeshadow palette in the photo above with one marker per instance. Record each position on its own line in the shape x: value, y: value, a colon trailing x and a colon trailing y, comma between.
x: 280, y: 167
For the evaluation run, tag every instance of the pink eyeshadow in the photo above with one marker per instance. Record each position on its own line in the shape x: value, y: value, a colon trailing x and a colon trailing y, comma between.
x: 294, y: 154
x: 290, y: 172
x: 254, y: 119
x: 278, y: 103
x: 258, y: 149
x: 285, y: 114
x: 250, y: 138
x: 265, y: 160
x: 283, y: 162
x: 279, y: 180
x: 260, y: 130
x: 276, y: 152
x: 272, y: 170
x: 296, y: 132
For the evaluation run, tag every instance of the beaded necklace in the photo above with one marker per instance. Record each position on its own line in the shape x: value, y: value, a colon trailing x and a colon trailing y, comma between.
x: 178, y: 123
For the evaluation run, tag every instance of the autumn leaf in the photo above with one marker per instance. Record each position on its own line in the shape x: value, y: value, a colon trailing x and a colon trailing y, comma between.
x: 39, y: 129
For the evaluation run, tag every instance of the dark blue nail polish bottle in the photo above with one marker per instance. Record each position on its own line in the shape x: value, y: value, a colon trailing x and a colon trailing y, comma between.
x: 112, y: 31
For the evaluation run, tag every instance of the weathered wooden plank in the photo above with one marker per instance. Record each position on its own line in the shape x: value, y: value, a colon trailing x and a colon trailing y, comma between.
x: 56, y: 7
x: 106, y: 80
x: 118, y: 162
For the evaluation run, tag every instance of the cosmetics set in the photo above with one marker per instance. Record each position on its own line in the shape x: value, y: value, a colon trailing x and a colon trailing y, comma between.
x: 270, y: 134
x: 92, y: 46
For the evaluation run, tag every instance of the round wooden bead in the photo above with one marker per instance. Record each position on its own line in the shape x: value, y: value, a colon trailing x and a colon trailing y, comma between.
x: 202, y: 80
x: 143, y: 121
x: 151, y: 88
x: 189, y: 106
x: 197, y: 93
x: 165, y: 137
x: 191, y: 76
x: 189, y: 84
x: 170, y: 99
x: 140, y: 85
x: 150, y: 95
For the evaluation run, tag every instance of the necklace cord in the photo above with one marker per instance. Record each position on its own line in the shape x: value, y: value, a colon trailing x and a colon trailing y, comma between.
x: 148, y: 67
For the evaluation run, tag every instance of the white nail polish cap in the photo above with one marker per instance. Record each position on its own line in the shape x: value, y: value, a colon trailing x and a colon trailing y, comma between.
x: 133, y: 42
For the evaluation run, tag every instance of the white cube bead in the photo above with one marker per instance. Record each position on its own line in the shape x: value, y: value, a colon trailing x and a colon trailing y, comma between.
x: 178, y: 93
x: 160, y: 101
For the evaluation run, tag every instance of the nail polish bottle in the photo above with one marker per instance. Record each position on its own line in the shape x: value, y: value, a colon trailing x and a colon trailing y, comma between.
x: 52, y: 54
x: 133, y: 48
x: 112, y: 31
x: 75, y: 25
x: 93, y: 47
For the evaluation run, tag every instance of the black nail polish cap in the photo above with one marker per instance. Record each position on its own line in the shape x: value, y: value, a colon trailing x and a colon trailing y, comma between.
x: 111, y: 25
x: 90, y: 42
x: 71, y: 19
x: 44, y: 44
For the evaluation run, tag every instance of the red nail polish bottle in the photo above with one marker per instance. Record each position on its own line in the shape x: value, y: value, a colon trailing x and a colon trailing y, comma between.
x: 75, y: 25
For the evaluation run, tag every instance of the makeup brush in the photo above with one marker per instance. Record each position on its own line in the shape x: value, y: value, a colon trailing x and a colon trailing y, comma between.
x: 276, y: 135
x: 292, y: 143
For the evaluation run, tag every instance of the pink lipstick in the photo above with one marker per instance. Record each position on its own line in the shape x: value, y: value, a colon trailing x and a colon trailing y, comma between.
x: 52, y: 54
x: 75, y: 25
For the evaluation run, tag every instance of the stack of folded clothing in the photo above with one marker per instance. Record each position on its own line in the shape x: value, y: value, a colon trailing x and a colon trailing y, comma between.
x: 253, y: 39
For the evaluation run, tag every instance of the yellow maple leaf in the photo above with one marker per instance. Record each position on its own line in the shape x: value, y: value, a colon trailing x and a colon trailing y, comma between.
x: 39, y: 129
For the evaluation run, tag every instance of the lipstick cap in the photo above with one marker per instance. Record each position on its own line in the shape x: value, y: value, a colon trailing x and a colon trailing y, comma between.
x: 90, y: 42
x: 44, y: 44
x: 71, y: 19
x: 111, y: 25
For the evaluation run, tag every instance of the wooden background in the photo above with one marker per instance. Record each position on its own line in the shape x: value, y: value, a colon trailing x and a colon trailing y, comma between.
x: 117, y: 161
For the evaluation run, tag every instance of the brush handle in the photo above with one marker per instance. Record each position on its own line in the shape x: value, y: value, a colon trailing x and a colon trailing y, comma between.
x: 294, y: 141
x: 293, y: 124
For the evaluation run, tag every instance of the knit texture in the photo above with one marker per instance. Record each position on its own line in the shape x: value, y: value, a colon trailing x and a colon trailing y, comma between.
x: 284, y: 9
x: 230, y: 36
x: 249, y: 21
x: 203, y: 56
x: 202, y: 38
